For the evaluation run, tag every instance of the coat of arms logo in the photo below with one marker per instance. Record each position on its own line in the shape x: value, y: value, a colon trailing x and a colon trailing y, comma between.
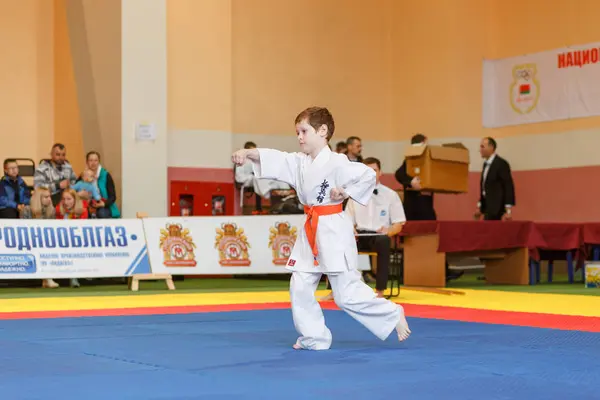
x: 177, y: 246
x: 232, y: 245
x: 282, y: 238
x: 525, y: 89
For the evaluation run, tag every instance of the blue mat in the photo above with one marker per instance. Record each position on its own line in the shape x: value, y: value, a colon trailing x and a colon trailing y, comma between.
x: 247, y: 355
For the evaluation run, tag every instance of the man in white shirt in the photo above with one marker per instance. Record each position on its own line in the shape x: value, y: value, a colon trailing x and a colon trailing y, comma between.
x: 382, y: 218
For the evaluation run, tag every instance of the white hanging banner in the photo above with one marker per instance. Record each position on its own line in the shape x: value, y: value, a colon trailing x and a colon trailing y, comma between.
x: 552, y: 85
x: 95, y: 248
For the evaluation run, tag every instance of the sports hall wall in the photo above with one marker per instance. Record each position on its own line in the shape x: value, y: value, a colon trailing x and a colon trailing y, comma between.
x: 240, y: 70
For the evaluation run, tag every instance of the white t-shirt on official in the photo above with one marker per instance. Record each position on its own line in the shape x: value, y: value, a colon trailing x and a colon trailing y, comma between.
x: 383, y: 210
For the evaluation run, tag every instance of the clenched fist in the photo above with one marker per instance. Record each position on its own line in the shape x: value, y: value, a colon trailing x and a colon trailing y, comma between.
x: 239, y: 157
x: 338, y: 194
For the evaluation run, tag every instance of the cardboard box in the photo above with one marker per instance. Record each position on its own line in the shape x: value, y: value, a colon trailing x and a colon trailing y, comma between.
x: 442, y: 169
x: 592, y: 275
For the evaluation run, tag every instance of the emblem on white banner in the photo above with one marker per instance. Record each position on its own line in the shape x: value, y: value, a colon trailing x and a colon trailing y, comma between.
x: 281, y: 241
x: 177, y: 246
x: 232, y: 245
x: 525, y: 89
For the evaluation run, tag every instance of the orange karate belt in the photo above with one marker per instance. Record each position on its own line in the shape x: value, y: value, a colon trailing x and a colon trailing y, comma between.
x: 312, y: 221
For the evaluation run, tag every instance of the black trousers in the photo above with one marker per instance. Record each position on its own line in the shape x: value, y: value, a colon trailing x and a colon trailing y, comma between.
x: 9, y: 213
x: 491, y: 215
x: 103, y: 213
x: 379, y: 244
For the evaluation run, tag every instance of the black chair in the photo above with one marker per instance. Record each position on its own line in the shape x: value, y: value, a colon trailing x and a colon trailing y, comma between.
x: 285, y: 201
x: 396, y: 266
x: 26, y: 170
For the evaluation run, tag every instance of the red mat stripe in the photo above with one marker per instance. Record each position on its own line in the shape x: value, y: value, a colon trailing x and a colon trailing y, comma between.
x: 536, y: 320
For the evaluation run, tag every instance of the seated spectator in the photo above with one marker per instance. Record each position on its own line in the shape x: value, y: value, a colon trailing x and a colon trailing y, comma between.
x: 244, y: 175
x: 41, y: 208
x: 106, y: 186
x: 14, y: 193
x: 55, y: 174
x: 354, y: 149
x: 71, y: 206
x: 88, y: 184
x: 341, y: 147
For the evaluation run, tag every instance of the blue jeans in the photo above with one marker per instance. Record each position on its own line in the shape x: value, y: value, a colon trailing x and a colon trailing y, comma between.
x: 103, y: 213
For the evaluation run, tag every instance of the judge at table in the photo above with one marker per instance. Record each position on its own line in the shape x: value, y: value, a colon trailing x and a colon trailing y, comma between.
x: 383, y: 215
x: 496, y: 189
x: 380, y: 220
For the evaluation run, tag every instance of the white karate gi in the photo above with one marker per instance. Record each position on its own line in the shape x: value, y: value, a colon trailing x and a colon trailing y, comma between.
x: 338, y: 255
x: 262, y: 187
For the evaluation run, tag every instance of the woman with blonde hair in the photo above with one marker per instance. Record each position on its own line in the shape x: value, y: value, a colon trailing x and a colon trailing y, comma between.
x: 41, y: 208
x: 71, y: 206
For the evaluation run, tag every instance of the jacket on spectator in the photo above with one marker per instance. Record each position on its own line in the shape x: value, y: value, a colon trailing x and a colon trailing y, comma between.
x: 13, y: 192
x: 108, y: 192
x: 49, y: 176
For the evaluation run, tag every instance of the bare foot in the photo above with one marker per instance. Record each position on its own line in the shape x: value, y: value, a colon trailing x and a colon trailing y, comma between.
x: 402, y: 327
x: 296, y: 346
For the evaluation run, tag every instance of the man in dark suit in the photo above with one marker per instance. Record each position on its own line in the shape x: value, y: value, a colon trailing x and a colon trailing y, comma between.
x: 418, y: 205
x: 497, y: 190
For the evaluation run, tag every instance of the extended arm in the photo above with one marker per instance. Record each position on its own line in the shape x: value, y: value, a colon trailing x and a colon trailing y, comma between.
x: 397, y: 216
x: 41, y: 179
x: 271, y: 164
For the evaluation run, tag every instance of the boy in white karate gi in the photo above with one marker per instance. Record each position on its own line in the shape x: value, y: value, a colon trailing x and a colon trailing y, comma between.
x: 326, y: 244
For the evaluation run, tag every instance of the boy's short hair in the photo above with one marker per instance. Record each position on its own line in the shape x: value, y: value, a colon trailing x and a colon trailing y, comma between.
x: 9, y: 161
x: 371, y: 161
x: 316, y: 117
